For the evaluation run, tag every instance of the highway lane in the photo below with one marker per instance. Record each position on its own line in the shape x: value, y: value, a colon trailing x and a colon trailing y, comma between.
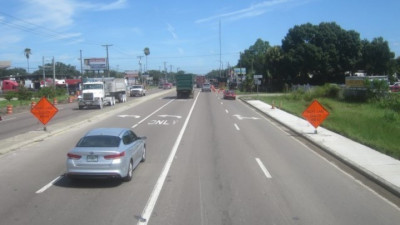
x: 234, y: 167
x: 216, y: 175
x: 28, y: 170
x: 23, y: 122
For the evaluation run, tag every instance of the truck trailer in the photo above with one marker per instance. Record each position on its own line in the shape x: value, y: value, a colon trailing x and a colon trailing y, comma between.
x: 184, y: 86
x: 97, y: 92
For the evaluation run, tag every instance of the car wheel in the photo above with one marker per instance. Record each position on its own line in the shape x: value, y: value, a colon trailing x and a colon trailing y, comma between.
x: 130, y: 172
x: 143, y: 155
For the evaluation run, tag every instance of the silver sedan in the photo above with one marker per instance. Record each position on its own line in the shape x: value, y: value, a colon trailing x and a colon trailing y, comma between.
x: 106, y: 152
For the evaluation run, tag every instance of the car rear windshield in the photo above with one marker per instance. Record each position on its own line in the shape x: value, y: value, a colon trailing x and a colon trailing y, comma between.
x: 99, y: 141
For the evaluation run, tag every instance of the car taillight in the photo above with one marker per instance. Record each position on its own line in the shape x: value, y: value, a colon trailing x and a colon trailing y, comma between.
x: 73, y: 156
x: 114, y: 156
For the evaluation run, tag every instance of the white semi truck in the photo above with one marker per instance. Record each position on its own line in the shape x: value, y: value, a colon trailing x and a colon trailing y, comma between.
x: 97, y: 92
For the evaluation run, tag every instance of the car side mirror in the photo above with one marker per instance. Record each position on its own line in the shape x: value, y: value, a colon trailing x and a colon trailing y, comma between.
x: 143, y: 138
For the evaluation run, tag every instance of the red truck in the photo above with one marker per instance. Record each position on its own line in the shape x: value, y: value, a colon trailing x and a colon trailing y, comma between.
x: 8, y: 85
x: 200, y: 80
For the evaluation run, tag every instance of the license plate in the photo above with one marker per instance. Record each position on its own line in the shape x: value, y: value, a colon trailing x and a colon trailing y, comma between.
x: 91, y: 158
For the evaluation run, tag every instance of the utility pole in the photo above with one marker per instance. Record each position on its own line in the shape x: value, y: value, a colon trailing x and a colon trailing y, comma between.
x: 165, y: 72
x: 54, y: 74
x: 220, y: 60
x: 81, y: 62
x: 140, y: 67
x: 44, y: 76
x: 108, y: 62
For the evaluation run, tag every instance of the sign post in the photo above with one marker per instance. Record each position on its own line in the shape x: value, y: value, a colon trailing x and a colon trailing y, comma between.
x: 44, y: 111
x: 257, y: 82
x: 315, y: 114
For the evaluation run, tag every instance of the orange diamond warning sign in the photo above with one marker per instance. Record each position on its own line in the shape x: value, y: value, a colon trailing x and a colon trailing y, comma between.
x: 44, y: 110
x: 315, y: 113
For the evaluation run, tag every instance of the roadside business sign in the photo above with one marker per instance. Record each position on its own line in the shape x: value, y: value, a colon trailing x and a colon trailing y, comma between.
x: 44, y: 110
x: 239, y: 71
x: 257, y: 76
x: 315, y: 113
x: 95, y: 64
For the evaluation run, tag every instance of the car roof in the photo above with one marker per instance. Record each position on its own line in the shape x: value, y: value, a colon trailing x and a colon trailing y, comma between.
x: 106, y: 131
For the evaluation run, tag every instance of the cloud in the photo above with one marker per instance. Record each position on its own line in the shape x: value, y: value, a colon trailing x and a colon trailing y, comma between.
x: 171, y: 30
x: 119, y: 4
x: 61, y: 14
x: 251, y: 11
x: 46, y: 12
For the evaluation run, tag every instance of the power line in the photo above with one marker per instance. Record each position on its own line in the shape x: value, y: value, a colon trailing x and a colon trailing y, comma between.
x: 36, y: 29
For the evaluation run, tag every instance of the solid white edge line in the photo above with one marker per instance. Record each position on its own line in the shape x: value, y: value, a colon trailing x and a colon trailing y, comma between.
x: 263, y: 168
x: 326, y: 160
x: 148, y: 210
x: 236, y: 126
x: 47, y: 186
x: 152, y: 114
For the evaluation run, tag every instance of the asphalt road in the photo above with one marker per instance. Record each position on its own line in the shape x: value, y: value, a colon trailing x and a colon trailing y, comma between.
x: 22, y: 122
x: 209, y: 161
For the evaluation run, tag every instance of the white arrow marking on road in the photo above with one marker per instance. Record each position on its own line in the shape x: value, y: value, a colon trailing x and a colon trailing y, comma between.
x: 164, y: 116
x: 245, y: 118
x: 134, y: 116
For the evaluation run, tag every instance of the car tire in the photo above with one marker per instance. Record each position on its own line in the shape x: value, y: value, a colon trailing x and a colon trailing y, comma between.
x: 129, y: 175
x: 143, y: 155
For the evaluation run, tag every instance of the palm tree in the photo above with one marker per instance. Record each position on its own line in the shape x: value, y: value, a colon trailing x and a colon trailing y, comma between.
x: 27, y: 53
x: 146, y: 53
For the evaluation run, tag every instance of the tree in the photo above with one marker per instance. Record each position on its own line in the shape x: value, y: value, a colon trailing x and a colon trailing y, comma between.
x: 62, y: 70
x: 321, y: 53
x: 27, y: 53
x: 146, y: 53
x: 14, y: 71
x: 376, y: 56
x: 253, y: 59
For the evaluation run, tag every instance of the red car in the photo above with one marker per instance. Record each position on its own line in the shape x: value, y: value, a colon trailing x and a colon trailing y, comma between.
x: 395, y: 87
x: 167, y: 86
x: 229, y: 94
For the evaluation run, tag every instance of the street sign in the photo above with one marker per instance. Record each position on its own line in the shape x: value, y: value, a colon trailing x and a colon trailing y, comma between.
x: 315, y: 113
x: 257, y: 76
x: 44, y: 110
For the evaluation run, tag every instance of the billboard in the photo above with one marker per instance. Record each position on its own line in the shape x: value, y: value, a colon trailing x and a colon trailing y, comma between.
x: 240, y: 71
x: 5, y: 64
x: 95, y: 64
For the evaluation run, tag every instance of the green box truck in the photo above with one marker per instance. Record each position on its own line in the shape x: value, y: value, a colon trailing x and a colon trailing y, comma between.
x: 184, y: 86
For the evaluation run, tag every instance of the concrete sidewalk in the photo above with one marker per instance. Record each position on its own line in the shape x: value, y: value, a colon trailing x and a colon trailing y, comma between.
x: 380, y: 167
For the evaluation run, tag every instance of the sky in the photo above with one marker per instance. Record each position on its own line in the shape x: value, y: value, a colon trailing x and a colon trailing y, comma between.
x: 193, y: 36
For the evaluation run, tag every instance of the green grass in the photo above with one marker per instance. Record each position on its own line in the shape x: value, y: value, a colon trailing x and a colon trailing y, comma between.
x: 367, y: 123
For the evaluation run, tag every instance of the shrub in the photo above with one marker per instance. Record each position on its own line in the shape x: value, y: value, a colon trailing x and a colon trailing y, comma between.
x: 391, y: 101
x: 24, y: 94
x: 61, y: 91
x: 47, y: 92
x: 9, y: 95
